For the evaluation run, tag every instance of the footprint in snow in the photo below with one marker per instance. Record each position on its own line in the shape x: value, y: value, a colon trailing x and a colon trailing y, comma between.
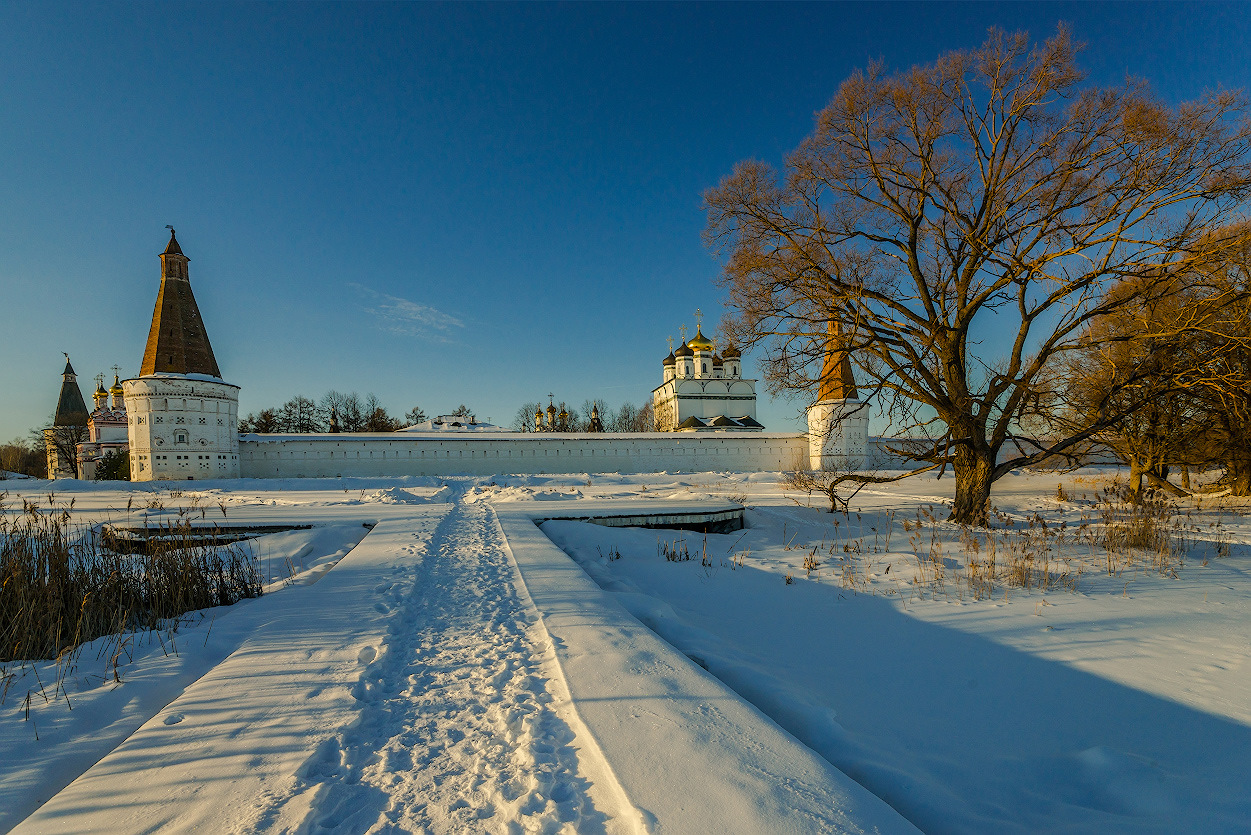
x: 366, y: 655
x: 174, y: 718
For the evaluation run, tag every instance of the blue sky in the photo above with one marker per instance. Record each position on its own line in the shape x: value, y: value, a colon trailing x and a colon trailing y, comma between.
x: 440, y: 204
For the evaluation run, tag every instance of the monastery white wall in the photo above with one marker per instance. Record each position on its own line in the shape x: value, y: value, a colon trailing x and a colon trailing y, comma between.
x: 408, y: 453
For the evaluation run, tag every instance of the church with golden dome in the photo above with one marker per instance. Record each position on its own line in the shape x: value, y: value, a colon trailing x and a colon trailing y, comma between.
x: 703, y: 390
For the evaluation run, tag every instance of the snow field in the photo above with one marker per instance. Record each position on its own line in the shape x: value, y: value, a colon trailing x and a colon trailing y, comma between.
x: 1125, y: 707
x: 455, y: 673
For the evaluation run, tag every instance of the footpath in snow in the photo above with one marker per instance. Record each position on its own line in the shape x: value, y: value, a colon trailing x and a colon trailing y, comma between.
x: 401, y: 692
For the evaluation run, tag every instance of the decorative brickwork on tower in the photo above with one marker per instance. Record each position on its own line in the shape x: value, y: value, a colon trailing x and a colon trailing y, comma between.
x: 177, y: 341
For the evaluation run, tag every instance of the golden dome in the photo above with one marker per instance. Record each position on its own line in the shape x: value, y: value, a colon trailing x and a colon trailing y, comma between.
x: 116, y: 388
x: 100, y: 392
x: 699, y: 342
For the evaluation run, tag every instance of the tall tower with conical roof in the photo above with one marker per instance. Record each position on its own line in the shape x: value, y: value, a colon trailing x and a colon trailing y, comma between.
x: 182, y: 416
x: 838, y: 423
x: 69, y: 427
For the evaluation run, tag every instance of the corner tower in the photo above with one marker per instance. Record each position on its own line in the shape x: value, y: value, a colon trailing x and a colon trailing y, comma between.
x: 69, y: 427
x: 838, y: 423
x: 182, y: 417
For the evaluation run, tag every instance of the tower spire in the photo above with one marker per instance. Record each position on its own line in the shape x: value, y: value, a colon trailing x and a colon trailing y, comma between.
x: 837, y: 380
x: 177, y: 341
x: 71, y: 409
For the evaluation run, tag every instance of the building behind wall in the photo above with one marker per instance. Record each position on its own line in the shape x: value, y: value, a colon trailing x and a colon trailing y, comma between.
x: 704, y: 391
x: 182, y: 417
x: 107, y: 430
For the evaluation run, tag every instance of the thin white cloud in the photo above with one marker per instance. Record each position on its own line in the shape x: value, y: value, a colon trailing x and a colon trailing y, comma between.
x: 409, y: 318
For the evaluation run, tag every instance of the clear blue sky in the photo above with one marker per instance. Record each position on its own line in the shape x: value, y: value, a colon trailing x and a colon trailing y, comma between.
x: 438, y: 203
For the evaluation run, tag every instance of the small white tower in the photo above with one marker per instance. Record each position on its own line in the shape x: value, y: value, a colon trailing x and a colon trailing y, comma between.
x: 733, y: 362
x: 838, y: 423
x: 182, y: 418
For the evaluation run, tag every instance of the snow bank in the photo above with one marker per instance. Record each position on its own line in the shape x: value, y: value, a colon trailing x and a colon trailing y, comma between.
x: 691, y: 755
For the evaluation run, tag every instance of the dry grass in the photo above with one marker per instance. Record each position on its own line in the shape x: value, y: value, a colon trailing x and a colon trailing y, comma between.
x: 61, y: 585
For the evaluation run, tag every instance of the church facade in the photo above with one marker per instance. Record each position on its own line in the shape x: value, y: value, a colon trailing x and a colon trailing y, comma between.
x: 703, y: 391
x: 181, y: 420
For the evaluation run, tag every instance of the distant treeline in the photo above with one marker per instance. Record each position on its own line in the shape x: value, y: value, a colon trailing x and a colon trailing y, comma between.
x: 300, y: 414
x: 628, y: 418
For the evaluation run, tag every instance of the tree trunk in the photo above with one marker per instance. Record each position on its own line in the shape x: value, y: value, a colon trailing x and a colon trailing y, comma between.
x: 1136, y: 470
x: 1239, y: 476
x: 1165, y: 485
x: 974, y: 469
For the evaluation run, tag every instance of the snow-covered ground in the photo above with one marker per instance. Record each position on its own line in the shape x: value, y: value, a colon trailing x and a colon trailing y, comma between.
x: 427, y: 659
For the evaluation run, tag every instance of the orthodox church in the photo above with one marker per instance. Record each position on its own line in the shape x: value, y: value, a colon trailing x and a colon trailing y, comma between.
x: 181, y: 420
x: 704, y: 391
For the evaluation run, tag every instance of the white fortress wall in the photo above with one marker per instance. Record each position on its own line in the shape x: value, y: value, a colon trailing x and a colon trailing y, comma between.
x: 407, y: 453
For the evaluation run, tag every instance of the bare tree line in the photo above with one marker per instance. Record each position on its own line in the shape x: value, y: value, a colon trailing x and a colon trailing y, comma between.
x: 626, y: 418
x: 353, y: 414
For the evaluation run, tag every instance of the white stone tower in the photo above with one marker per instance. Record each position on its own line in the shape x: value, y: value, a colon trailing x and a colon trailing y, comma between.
x: 838, y: 423
x: 182, y: 417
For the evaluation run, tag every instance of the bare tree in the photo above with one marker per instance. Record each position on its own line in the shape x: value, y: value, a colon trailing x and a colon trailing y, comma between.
x: 414, y: 416
x: 962, y: 223
x: 1131, y: 377
x: 523, y: 421
x: 62, y: 445
x: 299, y: 414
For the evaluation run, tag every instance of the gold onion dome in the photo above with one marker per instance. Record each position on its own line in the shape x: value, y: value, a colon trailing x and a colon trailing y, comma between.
x: 116, y: 388
x: 100, y: 389
x: 699, y: 342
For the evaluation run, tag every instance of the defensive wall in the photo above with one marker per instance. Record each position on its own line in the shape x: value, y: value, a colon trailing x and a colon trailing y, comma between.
x: 481, y: 453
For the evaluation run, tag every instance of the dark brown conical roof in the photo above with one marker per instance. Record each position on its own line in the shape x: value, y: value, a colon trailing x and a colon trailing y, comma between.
x: 71, y: 409
x: 177, y: 341
x: 173, y: 248
x: 837, y: 381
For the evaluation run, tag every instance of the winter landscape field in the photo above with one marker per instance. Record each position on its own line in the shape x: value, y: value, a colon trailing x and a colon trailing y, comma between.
x: 425, y: 658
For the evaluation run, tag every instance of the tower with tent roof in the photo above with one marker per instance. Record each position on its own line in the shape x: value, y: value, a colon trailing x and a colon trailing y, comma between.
x: 838, y: 423
x: 69, y: 427
x: 182, y: 417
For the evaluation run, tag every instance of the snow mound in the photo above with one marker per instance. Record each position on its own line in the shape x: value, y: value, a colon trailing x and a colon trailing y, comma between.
x: 519, y: 494
x: 398, y: 495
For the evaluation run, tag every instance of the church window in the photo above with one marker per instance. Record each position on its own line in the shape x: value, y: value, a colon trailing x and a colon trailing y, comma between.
x: 158, y: 419
x: 180, y: 420
x: 220, y: 422
x: 139, y: 420
x: 203, y: 420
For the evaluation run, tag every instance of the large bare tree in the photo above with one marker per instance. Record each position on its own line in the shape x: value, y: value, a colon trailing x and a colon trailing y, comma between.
x: 962, y: 222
